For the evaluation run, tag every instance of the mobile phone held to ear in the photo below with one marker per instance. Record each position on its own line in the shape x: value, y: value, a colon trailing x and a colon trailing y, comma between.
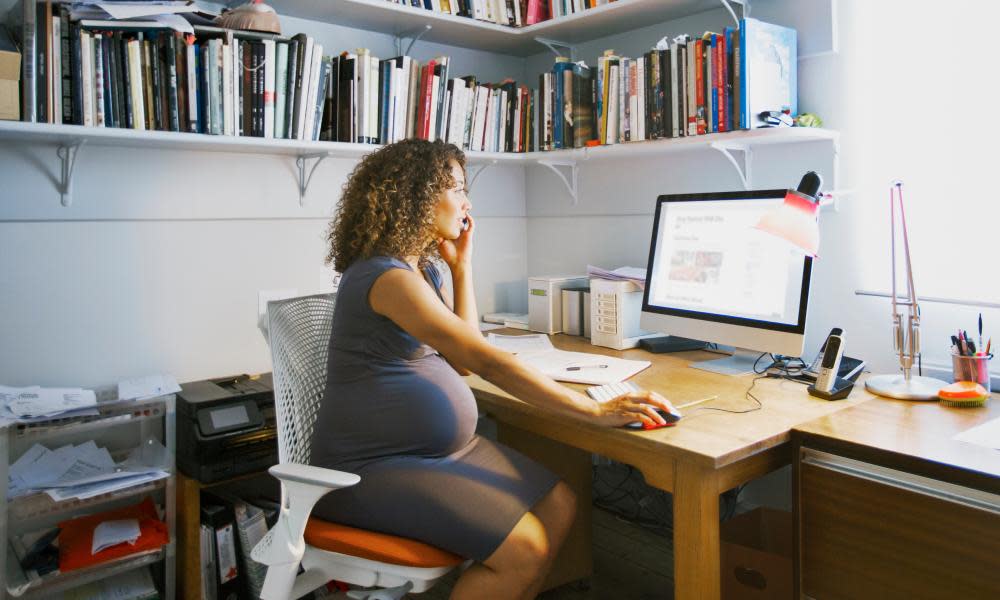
x: 465, y: 224
x: 828, y: 385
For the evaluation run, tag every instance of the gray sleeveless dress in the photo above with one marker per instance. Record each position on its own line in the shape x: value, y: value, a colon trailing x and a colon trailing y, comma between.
x: 398, y: 415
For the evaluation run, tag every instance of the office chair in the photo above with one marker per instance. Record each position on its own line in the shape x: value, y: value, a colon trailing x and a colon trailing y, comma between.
x: 299, y: 334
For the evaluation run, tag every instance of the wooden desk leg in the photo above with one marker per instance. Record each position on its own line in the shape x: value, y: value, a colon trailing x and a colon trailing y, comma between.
x: 188, y: 537
x: 575, y: 561
x: 696, y: 533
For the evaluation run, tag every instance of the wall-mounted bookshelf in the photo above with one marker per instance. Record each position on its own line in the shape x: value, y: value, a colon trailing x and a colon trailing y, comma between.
x: 396, y: 19
x: 68, y: 139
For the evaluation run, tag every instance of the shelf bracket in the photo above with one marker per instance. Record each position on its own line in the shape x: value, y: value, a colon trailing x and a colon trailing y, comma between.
x: 414, y: 34
x: 300, y: 162
x: 553, y: 45
x: 67, y: 154
x: 476, y: 173
x: 744, y: 171
x: 571, y: 181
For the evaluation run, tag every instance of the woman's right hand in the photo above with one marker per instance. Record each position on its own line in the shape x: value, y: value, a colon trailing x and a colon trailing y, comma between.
x: 632, y: 407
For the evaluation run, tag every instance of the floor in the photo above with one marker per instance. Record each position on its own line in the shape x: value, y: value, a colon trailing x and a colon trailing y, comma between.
x: 629, y: 562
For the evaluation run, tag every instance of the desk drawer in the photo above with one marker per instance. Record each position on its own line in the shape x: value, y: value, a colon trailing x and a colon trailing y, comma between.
x: 871, y: 532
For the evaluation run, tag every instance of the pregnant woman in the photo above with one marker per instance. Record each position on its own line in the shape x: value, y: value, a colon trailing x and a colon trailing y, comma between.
x: 397, y: 411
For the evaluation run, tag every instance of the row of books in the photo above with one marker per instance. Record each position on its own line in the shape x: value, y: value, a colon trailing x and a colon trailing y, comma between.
x: 226, y: 82
x: 687, y: 86
x: 512, y: 13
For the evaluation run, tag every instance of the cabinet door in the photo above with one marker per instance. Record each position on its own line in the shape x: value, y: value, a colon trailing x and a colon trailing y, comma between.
x: 871, y: 532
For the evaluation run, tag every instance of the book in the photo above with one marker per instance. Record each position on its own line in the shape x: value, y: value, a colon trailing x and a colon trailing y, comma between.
x: 768, y: 70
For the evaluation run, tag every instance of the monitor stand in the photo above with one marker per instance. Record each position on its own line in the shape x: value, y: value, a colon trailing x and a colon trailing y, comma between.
x: 740, y: 363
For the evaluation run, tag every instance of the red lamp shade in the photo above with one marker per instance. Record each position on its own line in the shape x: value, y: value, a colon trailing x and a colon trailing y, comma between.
x: 794, y: 221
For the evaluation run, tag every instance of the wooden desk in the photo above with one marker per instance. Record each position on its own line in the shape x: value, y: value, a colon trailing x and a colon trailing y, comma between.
x: 707, y: 453
x: 888, y: 505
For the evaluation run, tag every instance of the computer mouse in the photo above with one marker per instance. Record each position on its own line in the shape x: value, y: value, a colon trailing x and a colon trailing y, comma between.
x: 671, y: 417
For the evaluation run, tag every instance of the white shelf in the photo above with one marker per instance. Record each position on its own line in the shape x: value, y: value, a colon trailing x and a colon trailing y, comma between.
x: 387, y: 17
x: 66, y: 135
x: 69, y: 138
x: 53, y: 583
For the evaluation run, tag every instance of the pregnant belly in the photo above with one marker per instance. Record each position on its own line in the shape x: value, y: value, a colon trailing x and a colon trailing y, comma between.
x: 421, y: 408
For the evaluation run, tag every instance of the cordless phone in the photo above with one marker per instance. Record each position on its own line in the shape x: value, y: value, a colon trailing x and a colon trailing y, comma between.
x: 814, y: 367
x: 830, y: 366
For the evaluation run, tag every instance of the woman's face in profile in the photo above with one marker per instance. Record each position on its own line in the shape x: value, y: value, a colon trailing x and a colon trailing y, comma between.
x: 453, y: 206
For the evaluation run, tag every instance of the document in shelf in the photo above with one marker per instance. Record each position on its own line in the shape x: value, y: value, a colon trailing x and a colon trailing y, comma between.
x: 44, y: 402
x: 147, y: 387
x: 112, y: 533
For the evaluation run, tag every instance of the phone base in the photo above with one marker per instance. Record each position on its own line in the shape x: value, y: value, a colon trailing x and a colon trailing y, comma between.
x: 840, y: 390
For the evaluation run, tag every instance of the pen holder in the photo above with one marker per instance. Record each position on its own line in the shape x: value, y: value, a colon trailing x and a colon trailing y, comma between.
x: 972, y: 368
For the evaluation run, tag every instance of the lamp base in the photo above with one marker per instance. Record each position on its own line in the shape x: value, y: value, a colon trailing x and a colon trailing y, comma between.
x: 896, y: 386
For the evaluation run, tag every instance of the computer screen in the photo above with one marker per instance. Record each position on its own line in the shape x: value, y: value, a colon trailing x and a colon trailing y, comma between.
x: 713, y: 276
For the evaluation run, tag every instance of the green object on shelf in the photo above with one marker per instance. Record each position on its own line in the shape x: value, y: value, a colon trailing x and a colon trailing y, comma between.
x: 808, y: 120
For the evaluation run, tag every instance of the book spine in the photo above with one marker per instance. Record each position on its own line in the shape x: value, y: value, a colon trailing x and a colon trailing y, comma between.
x: 29, y: 59
x: 229, y: 99
x: 76, y: 68
x: 87, y: 85
x: 67, y: 66
x: 99, y: 98
x: 191, y: 62
x: 110, y: 103
x: 135, y: 84
x: 280, y: 88
x: 180, y: 55
x: 156, y: 86
x: 293, y: 61
x: 122, y: 54
x: 169, y: 58
x: 325, y: 67
x: 270, y: 75
x: 41, y: 64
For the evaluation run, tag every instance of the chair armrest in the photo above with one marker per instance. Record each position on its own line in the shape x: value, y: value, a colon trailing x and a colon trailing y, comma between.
x: 301, y: 487
x: 308, y: 474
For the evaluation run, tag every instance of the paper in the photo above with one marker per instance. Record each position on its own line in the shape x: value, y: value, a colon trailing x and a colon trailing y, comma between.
x: 636, y: 275
x: 147, y: 387
x: 112, y: 533
x: 131, y: 10
x: 583, y: 367
x: 175, y: 22
x: 987, y: 434
x: 517, y: 344
x: 39, y: 401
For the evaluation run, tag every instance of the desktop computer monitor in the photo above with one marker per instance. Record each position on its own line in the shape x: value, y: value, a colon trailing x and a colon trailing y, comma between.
x: 714, y: 277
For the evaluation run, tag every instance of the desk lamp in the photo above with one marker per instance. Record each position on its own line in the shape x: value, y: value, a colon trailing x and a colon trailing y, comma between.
x: 906, y: 341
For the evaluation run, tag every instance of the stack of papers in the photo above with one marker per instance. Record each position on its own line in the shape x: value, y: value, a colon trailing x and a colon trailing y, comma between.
x: 36, y: 403
x: 112, y: 533
x: 83, y: 471
x: 164, y: 13
x: 576, y: 367
x: 636, y: 275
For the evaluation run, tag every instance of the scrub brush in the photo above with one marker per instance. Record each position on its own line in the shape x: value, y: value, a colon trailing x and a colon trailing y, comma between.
x: 963, y: 394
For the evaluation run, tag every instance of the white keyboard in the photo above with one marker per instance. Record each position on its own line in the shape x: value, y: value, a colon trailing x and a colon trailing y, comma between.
x: 603, y: 393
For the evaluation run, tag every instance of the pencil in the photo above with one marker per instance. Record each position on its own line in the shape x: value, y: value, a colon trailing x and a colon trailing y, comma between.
x: 697, y: 402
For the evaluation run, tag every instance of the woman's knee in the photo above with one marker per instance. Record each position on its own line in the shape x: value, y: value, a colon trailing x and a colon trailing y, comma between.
x: 525, y: 549
x: 558, y: 508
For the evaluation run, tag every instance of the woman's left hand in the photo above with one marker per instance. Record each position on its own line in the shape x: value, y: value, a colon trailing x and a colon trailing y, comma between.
x: 457, y: 253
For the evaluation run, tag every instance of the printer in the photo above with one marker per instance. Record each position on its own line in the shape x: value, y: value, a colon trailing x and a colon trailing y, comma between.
x: 226, y: 427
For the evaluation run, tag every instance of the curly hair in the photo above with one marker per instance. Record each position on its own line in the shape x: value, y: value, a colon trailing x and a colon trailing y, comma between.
x: 388, y: 204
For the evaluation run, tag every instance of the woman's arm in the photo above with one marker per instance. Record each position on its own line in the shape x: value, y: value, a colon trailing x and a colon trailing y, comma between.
x: 404, y: 297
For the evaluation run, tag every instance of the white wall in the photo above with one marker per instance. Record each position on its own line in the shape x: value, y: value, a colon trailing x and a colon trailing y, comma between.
x: 156, y: 265
x: 906, y: 85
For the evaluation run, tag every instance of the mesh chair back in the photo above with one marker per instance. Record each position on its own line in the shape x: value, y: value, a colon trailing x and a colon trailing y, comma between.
x: 299, y: 331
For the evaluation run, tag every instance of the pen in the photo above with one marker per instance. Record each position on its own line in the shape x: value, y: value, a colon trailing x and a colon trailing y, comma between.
x: 980, y: 330
x: 587, y: 367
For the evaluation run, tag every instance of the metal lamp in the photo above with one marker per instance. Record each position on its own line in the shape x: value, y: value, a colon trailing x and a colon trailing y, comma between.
x: 906, y: 340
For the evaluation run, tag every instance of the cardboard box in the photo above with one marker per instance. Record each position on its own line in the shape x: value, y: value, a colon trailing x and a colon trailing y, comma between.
x: 10, y: 78
x: 757, y: 556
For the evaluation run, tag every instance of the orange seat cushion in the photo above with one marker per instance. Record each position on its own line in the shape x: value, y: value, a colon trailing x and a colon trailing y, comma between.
x: 376, y: 546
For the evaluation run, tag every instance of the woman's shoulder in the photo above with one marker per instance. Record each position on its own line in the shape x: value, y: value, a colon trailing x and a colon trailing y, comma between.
x: 376, y: 264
